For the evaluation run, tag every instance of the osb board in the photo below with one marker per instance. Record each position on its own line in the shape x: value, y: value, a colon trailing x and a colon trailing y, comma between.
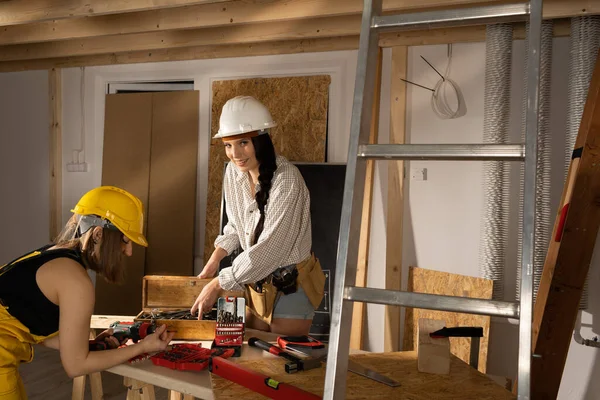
x: 422, y: 280
x: 463, y: 382
x: 299, y: 106
x: 175, y: 291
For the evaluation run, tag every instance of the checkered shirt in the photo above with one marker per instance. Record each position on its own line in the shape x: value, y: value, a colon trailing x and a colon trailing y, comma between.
x: 286, y: 238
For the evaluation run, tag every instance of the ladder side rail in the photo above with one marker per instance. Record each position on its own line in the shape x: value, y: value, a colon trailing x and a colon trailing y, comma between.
x: 481, y: 15
x: 530, y: 178
x: 347, y: 257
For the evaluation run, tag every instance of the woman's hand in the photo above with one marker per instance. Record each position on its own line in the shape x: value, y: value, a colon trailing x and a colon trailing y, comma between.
x: 111, y: 341
x: 209, y: 269
x: 157, y: 341
x: 207, y: 298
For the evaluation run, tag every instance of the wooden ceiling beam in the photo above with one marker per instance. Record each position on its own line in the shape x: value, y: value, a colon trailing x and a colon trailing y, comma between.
x: 429, y: 37
x: 233, y: 13
x: 239, y: 34
x: 32, y: 11
x: 190, y: 53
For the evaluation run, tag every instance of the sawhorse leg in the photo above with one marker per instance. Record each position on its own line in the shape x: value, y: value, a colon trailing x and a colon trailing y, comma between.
x: 173, y: 395
x: 137, y: 390
x: 95, y: 382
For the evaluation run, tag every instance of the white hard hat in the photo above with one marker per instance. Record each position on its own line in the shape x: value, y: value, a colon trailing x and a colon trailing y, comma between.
x: 243, y: 114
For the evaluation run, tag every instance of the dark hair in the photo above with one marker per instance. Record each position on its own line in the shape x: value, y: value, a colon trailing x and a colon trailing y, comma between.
x: 265, y: 155
x: 108, y: 252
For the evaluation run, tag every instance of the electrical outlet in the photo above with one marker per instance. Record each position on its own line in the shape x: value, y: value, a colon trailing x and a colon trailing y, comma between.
x: 77, y: 167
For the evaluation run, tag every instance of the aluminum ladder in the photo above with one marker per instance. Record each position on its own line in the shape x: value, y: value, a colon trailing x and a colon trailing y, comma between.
x: 359, y: 151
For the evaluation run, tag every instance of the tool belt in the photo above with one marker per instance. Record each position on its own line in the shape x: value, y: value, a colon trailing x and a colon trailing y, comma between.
x: 262, y: 296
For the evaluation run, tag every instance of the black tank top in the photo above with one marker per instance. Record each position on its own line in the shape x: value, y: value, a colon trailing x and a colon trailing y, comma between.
x: 20, y: 292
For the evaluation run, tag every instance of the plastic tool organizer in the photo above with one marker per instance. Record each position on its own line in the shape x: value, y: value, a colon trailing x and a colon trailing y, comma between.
x: 188, y: 357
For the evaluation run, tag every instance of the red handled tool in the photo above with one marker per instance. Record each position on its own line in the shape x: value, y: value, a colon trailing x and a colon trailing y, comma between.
x: 296, y: 364
x: 303, y: 345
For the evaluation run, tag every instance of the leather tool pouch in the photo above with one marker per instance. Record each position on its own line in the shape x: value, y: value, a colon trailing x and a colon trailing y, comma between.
x: 261, y: 303
x: 312, y: 279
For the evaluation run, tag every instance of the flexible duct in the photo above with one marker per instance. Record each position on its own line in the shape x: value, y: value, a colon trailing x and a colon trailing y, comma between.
x: 542, y: 191
x: 494, y: 226
x: 584, y: 42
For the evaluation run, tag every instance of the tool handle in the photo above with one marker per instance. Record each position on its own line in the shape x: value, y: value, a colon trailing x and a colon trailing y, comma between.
x: 261, y: 344
x: 97, y: 345
x: 460, y: 331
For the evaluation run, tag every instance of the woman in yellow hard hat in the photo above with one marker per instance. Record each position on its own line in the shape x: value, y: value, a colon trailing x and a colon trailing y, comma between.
x: 268, y: 211
x: 47, y: 296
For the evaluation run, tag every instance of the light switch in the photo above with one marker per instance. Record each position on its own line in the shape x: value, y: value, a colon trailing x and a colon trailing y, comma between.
x: 418, y: 174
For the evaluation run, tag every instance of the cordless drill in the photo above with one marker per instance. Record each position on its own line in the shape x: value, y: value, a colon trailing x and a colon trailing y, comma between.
x: 122, y: 331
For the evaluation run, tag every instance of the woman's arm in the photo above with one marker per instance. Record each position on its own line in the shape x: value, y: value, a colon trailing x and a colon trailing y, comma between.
x: 213, y: 263
x: 76, y: 301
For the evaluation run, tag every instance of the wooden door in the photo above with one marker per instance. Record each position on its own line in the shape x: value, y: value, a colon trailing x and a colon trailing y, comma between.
x: 151, y: 150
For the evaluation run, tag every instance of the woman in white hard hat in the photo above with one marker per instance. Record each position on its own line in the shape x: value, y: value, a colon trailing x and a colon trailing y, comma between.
x: 268, y: 212
x: 47, y: 296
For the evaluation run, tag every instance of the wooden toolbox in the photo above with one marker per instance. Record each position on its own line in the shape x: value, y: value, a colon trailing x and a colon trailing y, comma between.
x: 163, y: 294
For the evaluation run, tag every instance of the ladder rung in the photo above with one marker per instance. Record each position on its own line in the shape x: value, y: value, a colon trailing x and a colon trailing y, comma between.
x: 456, y: 17
x: 433, y: 301
x: 470, y: 152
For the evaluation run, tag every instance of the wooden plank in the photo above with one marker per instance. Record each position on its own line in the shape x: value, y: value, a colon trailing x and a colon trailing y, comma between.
x: 126, y: 164
x: 172, y: 185
x: 395, y: 203
x: 313, y: 28
x: 189, y: 53
x: 568, y: 258
x: 362, y: 266
x: 422, y: 280
x: 416, y: 38
x: 55, y: 168
x: 233, y: 12
x: 433, y: 355
x: 30, y: 11
x: 464, y: 382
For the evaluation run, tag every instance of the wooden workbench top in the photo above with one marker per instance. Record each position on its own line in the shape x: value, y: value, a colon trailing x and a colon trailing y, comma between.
x: 463, y: 382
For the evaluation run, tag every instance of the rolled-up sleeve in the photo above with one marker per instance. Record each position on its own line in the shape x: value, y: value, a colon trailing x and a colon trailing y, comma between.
x: 229, y: 240
x: 287, y: 216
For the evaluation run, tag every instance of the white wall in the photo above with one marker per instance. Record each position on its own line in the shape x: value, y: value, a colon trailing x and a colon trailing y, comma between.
x: 442, y: 214
x: 24, y: 160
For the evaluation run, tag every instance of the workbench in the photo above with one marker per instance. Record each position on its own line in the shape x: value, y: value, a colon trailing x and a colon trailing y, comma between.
x: 463, y: 381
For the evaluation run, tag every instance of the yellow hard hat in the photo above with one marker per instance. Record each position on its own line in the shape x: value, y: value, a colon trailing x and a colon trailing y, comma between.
x: 121, y: 208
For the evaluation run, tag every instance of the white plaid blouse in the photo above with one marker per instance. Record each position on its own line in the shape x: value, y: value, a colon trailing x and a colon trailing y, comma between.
x: 286, y: 238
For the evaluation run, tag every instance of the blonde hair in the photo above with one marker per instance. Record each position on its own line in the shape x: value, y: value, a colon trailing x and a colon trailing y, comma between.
x: 105, y: 257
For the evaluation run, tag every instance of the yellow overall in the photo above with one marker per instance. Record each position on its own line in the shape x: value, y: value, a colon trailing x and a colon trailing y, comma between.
x: 16, y: 344
x: 16, y: 347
